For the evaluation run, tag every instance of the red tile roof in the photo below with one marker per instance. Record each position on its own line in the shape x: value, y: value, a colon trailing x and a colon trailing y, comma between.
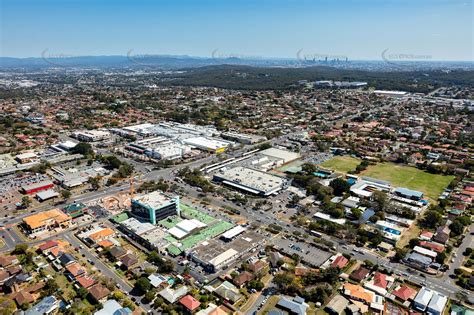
x: 434, y: 246
x: 380, y: 280
x: 340, y: 262
x: 85, y: 281
x: 404, y: 293
x: 189, y: 302
x: 48, y: 245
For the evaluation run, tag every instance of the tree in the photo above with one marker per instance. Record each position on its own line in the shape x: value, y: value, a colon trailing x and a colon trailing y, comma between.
x: 66, y: 194
x: 441, y: 258
x: 50, y: 288
x: 118, y: 295
x: 20, y: 249
x: 456, y: 228
x: 150, y: 295
x: 414, y: 242
x: 125, y: 170
x: 309, y: 168
x: 339, y: 186
x: 8, y: 306
x: 256, y: 285
x: 283, y: 280
x: 25, y: 201
x: 82, y: 293
x: 356, y: 212
x: 112, y: 161
x: 264, y: 146
x: 380, y: 200
x: 94, y: 182
x: 399, y: 254
x: 83, y: 148
x: 432, y: 219
x: 143, y: 284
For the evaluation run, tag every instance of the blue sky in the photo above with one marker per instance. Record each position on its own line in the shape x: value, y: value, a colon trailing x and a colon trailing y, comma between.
x: 358, y: 29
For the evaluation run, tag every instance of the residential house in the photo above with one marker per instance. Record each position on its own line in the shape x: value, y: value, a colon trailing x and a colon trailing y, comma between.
x: 117, y: 252
x: 242, y: 279
x: 259, y: 268
x: 172, y: 295
x: 66, y: 259
x: 75, y: 270
x: 99, y: 293
x: 112, y: 307
x: 47, y: 246
x: 295, y: 306
x: 422, y: 299
x: 8, y: 260
x: 228, y: 292
x: 442, y: 234
x: 85, y: 281
x: 340, y: 262
x: 128, y: 261
x: 437, y: 304
x: 46, y: 306
x: 190, y: 303
x: 359, y: 274
x: 337, y: 305
x: 405, y: 293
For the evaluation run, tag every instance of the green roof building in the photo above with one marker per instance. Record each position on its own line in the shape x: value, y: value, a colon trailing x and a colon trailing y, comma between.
x: 75, y: 209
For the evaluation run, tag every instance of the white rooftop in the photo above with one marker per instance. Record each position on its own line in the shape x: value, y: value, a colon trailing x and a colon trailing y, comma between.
x: 233, y: 232
x: 252, y: 180
x: 285, y: 155
x: 154, y: 199
x: 425, y: 252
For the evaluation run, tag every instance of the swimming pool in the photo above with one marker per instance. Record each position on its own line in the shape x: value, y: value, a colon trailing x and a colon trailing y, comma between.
x: 392, y: 231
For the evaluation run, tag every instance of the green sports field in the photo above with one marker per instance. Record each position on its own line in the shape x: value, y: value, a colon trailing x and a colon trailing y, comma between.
x: 342, y: 164
x: 405, y: 176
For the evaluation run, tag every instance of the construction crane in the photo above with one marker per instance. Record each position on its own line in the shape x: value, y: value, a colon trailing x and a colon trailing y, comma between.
x: 132, y: 192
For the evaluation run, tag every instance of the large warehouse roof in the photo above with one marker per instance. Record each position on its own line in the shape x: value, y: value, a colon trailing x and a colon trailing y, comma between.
x: 252, y: 180
x: 286, y: 156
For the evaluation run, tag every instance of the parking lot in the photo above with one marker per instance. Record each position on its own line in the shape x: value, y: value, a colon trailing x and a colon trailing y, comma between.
x: 308, y: 253
x: 9, y: 189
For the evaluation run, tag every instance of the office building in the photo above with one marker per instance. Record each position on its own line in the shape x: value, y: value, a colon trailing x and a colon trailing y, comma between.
x: 154, y: 206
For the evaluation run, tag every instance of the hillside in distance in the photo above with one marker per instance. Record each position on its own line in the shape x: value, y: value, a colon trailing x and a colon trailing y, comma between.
x: 246, y: 77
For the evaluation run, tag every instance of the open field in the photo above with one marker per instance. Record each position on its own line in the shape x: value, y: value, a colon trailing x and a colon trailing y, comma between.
x: 343, y: 164
x: 404, y: 176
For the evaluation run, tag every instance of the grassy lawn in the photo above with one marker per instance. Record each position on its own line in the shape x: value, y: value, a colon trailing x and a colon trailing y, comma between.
x: 398, y: 175
x: 342, y: 164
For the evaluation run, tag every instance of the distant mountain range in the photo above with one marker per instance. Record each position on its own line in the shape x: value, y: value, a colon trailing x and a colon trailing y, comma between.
x: 169, y: 62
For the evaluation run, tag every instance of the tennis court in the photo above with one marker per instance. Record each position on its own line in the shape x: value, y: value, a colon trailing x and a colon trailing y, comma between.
x: 192, y: 213
x: 192, y: 240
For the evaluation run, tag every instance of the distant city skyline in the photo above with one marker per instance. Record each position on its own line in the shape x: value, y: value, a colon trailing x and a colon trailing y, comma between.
x: 394, y: 30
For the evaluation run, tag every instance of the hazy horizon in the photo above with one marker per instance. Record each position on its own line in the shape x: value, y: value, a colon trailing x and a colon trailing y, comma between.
x: 422, y: 30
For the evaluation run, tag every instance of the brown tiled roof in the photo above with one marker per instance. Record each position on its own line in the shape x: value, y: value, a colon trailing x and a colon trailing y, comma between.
x: 359, y: 274
x: 99, y: 292
x: 243, y: 278
x: 23, y: 297
x: 7, y: 260
x: 129, y: 260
